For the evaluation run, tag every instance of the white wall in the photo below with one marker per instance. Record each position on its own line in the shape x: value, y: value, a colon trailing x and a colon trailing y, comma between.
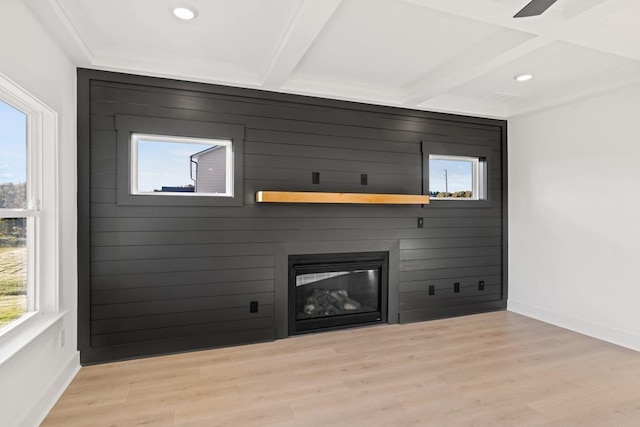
x: 574, y: 216
x: 31, y: 380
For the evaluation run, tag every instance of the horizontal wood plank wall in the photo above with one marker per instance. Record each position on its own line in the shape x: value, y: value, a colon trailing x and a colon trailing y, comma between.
x: 164, y: 279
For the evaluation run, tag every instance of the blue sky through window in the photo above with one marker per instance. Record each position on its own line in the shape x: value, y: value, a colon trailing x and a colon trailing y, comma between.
x: 13, y: 145
x: 165, y: 164
x: 459, y: 175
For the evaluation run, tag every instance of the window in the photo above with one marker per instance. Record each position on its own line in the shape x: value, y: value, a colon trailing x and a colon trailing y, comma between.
x: 456, y: 175
x: 16, y: 220
x: 28, y: 211
x: 172, y: 162
x: 181, y: 166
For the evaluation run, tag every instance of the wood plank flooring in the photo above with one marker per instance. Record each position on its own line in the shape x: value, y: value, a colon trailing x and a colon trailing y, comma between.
x: 495, y: 369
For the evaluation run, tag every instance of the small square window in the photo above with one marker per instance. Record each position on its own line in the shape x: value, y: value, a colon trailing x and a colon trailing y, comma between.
x: 181, y: 166
x: 454, y: 177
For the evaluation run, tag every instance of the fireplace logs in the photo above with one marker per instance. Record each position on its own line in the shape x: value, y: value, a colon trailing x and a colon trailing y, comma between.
x: 323, y: 302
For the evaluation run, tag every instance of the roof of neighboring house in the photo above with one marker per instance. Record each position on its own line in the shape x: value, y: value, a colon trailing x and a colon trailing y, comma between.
x: 208, y: 150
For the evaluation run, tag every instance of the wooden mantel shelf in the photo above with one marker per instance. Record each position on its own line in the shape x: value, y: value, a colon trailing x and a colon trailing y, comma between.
x: 340, y: 198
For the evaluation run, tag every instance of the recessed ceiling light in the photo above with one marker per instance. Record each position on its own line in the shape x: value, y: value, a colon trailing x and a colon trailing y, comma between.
x: 185, y: 13
x: 523, y: 77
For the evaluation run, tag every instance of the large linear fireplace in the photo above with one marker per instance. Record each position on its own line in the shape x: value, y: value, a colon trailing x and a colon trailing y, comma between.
x: 333, y: 291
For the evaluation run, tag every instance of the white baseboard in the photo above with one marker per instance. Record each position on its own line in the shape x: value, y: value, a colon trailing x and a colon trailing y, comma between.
x: 601, y: 332
x: 50, y: 396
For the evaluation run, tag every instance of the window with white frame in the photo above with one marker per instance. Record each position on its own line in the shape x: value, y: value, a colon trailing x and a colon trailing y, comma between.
x: 181, y: 166
x: 178, y: 162
x: 28, y: 211
x: 17, y: 217
x: 455, y: 177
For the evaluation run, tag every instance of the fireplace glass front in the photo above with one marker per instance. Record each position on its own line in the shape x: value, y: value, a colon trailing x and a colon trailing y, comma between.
x: 332, y: 291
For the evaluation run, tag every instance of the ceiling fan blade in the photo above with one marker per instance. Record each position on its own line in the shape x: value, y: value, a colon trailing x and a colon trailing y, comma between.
x: 534, y: 8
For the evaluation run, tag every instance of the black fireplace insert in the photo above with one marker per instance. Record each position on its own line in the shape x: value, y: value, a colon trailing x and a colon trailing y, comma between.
x: 334, y: 291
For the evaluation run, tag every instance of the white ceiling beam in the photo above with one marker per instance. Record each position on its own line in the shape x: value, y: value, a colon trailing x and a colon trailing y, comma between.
x: 311, y: 17
x: 472, y: 107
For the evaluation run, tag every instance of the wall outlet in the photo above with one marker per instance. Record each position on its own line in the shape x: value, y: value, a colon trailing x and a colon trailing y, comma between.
x: 364, y: 179
x: 420, y: 222
x: 253, y: 307
x: 456, y: 287
x: 481, y: 285
x: 432, y: 290
x: 315, y: 177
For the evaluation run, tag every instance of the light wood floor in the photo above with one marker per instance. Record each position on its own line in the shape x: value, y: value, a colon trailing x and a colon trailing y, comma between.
x: 484, y: 370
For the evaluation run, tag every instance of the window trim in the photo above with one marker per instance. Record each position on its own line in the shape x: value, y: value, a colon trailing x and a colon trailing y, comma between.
x: 127, y: 125
x: 136, y: 137
x: 483, y: 179
x: 477, y: 186
x: 42, y: 209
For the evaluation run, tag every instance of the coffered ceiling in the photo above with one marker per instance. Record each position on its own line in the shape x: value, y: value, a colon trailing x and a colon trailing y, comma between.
x: 457, y: 56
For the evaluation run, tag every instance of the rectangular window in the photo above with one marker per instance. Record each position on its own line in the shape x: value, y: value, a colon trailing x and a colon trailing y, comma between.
x: 175, y: 162
x: 29, y: 269
x: 17, y: 218
x: 454, y: 177
x: 181, y: 166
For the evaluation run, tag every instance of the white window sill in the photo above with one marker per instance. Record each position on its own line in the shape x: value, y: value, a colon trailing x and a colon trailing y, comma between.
x: 28, y: 329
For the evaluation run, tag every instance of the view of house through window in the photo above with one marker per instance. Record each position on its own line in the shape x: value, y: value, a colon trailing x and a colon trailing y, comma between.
x: 181, y: 166
x: 13, y: 204
x: 453, y: 177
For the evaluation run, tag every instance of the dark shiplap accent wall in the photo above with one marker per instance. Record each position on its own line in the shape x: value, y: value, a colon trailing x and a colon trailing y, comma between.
x: 159, y: 279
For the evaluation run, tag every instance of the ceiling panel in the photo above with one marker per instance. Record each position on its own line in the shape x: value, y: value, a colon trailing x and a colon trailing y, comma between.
x: 387, y: 42
x: 554, y: 65
x: 242, y: 33
x: 625, y: 20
